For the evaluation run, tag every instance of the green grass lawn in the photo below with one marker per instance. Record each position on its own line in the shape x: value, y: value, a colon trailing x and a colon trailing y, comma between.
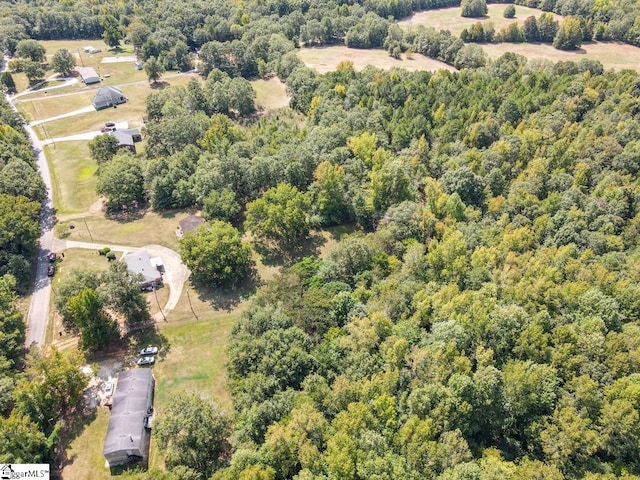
x: 150, y: 228
x: 73, y: 174
x: 45, y: 107
x: 450, y: 18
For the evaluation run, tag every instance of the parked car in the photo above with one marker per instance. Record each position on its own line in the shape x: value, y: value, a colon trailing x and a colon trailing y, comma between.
x: 51, y: 257
x: 147, y: 360
x: 108, y: 388
x: 50, y: 270
x: 108, y: 127
x: 149, y: 350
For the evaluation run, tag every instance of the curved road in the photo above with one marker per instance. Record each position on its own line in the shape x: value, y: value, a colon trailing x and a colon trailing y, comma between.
x: 176, y: 272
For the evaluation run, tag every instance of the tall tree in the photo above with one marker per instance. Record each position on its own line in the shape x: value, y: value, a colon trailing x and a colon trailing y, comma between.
x: 31, y: 49
x: 279, y: 216
x: 216, y: 254
x: 121, y: 181
x: 97, y: 328
x: 63, y: 62
x: 103, y: 148
x: 194, y: 432
x: 154, y: 69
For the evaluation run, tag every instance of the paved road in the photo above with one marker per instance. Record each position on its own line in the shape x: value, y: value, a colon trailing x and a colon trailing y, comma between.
x: 39, y: 308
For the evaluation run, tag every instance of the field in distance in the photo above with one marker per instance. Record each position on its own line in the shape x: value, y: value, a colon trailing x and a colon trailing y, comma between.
x: 326, y: 59
x: 450, y: 18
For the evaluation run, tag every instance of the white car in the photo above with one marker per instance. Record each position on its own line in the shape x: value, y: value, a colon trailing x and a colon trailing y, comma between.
x: 149, y: 350
x: 108, y: 388
x: 149, y: 360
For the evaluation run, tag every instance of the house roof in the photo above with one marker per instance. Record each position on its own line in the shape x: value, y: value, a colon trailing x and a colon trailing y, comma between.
x: 140, y: 263
x: 130, y: 403
x: 189, y: 223
x: 88, y: 73
x: 107, y: 94
x: 127, y: 136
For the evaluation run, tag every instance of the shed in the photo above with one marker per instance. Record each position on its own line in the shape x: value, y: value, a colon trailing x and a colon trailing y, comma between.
x: 150, y: 268
x: 127, y: 437
x: 106, y: 97
x: 189, y: 223
x: 88, y: 75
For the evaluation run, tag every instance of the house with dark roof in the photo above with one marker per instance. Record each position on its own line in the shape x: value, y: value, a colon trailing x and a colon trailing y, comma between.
x: 88, y: 75
x: 106, y: 97
x: 187, y: 224
x: 128, y: 434
x: 127, y: 138
x: 139, y: 263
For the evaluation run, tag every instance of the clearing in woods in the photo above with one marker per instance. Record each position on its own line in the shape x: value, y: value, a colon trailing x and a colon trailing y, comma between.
x: 450, y: 18
x: 326, y: 59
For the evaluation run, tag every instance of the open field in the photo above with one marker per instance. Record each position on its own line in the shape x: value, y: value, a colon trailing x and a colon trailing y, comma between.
x: 450, y: 19
x: 152, y: 228
x: 270, y: 94
x: 612, y: 55
x: 73, y: 175
x: 38, y: 109
x: 326, y: 59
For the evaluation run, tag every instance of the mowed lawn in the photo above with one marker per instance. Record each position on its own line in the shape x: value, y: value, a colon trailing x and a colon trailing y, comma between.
x: 73, y: 175
x: 145, y: 228
x: 326, y: 59
x: 612, y: 55
x: 450, y: 18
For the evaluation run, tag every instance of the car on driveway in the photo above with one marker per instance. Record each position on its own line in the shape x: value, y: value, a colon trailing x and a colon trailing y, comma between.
x: 108, y: 388
x: 146, y: 360
x: 51, y: 257
x: 149, y: 350
x: 108, y: 127
x: 50, y: 270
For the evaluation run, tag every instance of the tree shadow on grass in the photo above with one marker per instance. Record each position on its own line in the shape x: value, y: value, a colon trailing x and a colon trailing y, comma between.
x: 228, y: 299
x: 73, y: 428
x: 126, y: 215
x: 285, y: 256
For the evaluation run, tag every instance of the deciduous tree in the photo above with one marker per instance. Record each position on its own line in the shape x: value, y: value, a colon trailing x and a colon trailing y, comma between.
x: 63, y: 62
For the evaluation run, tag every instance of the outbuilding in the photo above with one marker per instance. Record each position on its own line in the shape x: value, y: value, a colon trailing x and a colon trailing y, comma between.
x: 128, y: 434
x: 88, y: 75
x: 106, y: 97
x: 127, y: 138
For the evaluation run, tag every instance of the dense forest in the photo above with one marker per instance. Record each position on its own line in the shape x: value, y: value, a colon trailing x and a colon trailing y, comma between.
x: 259, y: 33
x: 482, y: 321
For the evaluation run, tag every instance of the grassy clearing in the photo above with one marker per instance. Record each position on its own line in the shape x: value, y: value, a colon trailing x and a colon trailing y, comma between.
x: 326, y: 59
x: 150, y: 228
x: 270, y: 94
x: 612, y: 55
x: 85, y: 453
x: 73, y: 174
x: 46, y: 107
x: 450, y: 18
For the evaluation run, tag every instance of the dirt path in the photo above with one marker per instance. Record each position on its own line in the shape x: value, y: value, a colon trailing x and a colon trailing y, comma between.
x: 80, y: 111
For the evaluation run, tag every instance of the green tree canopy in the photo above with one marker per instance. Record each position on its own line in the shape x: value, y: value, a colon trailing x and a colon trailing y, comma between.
x: 279, y: 216
x: 103, y: 148
x: 194, y: 433
x: 216, y: 254
x: 63, y: 62
x: 31, y: 49
x: 121, y: 182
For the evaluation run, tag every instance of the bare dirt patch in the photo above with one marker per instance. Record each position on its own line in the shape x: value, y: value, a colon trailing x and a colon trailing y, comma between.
x: 326, y: 59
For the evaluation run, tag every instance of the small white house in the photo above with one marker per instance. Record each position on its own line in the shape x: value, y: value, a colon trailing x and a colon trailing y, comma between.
x: 139, y: 263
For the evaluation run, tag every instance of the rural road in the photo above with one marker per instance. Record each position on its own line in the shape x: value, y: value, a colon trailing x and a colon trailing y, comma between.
x: 39, y: 306
x: 80, y: 111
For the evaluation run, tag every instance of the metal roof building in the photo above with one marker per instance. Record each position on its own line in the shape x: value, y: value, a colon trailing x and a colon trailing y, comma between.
x: 127, y: 436
x: 88, y: 75
x: 106, y: 97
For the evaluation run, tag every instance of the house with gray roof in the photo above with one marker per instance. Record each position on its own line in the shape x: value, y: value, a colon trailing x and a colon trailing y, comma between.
x: 88, y: 75
x: 106, y: 97
x: 128, y: 434
x: 150, y: 268
x: 127, y: 138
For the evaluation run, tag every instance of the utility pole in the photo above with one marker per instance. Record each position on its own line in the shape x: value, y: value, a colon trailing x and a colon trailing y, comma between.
x: 155, y: 291
x: 192, y: 310
x: 85, y: 224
